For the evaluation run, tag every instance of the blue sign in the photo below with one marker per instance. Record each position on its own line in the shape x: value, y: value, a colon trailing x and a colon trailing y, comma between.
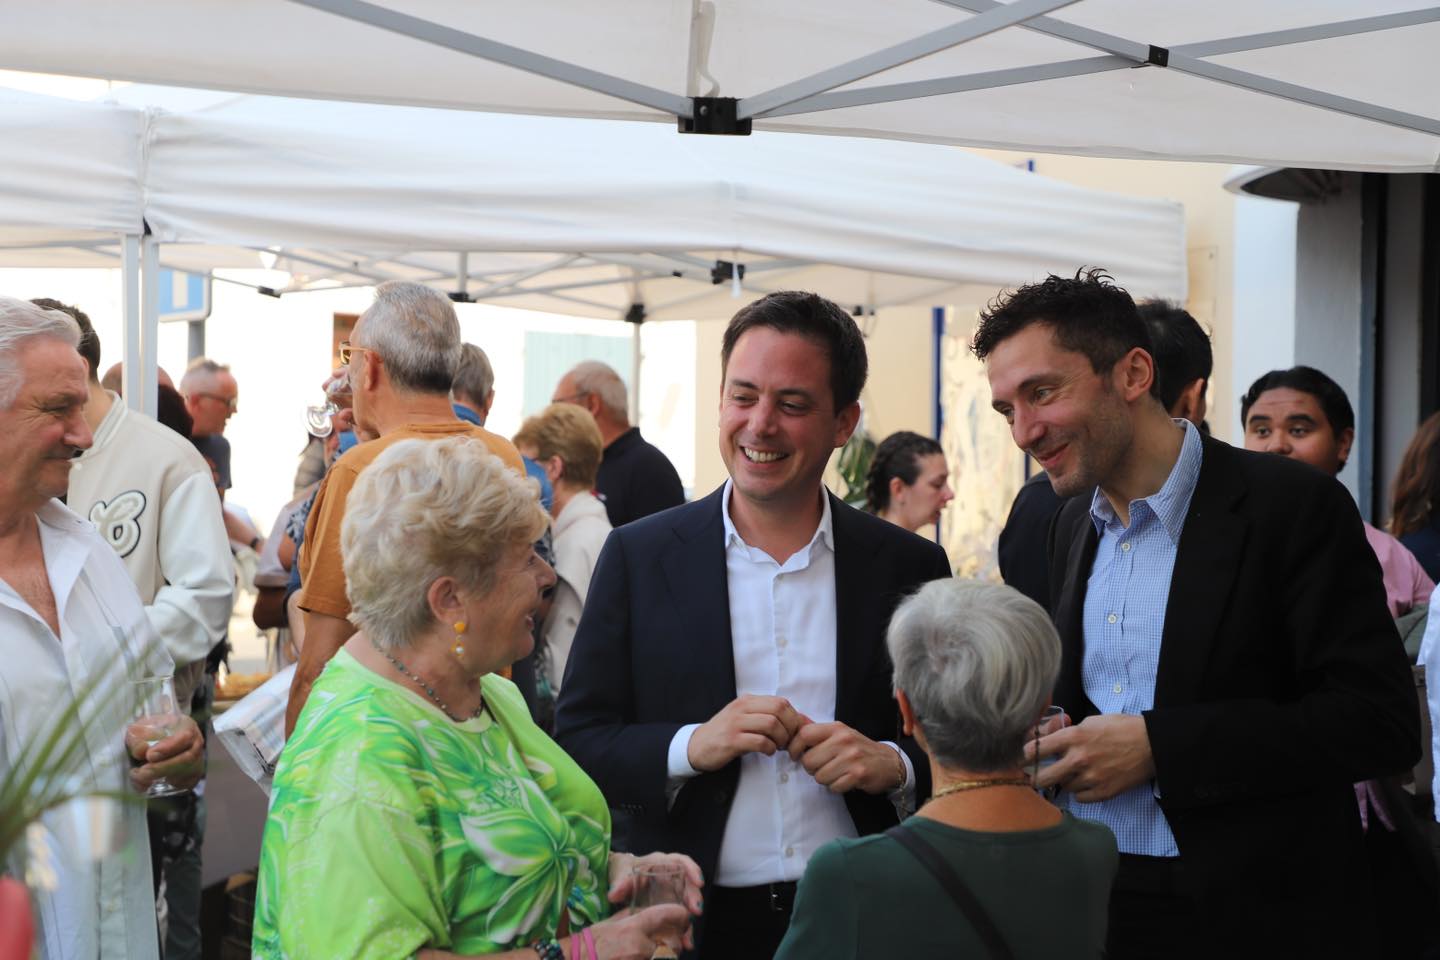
x: 183, y: 296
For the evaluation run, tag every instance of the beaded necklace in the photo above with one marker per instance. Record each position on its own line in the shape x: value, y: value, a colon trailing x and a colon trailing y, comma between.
x: 429, y: 690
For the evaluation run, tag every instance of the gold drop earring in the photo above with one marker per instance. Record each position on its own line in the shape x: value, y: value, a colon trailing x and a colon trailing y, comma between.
x: 459, y: 648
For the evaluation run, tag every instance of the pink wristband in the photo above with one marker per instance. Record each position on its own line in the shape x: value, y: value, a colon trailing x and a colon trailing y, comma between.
x: 575, y: 946
x: 590, y: 944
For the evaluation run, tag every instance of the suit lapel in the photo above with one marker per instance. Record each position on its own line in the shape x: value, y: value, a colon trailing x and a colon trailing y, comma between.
x: 1069, y: 617
x: 855, y: 597
x: 695, y: 573
x: 1211, y: 545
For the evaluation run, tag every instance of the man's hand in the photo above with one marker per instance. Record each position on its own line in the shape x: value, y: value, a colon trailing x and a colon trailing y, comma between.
x: 748, y: 724
x: 843, y: 760
x: 179, y: 758
x: 1103, y: 756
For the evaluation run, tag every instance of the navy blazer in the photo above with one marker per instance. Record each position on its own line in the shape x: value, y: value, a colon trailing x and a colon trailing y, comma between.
x: 653, y: 653
x: 1281, y: 682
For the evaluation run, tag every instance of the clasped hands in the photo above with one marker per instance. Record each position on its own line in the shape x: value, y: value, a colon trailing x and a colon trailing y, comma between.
x: 1101, y: 757
x: 837, y: 756
x: 179, y: 758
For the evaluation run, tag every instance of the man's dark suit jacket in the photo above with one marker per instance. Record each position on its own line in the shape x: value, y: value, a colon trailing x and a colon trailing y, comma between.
x: 652, y: 653
x: 1281, y: 682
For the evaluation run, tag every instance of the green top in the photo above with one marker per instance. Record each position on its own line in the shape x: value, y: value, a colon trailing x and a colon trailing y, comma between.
x: 1046, y: 890
x: 392, y: 827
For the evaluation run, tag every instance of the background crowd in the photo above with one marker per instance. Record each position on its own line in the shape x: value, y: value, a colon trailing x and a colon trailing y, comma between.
x: 532, y: 682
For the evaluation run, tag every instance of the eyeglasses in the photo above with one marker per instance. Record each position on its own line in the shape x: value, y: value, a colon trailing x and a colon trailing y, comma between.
x: 347, y: 350
x: 574, y: 398
x: 232, y: 402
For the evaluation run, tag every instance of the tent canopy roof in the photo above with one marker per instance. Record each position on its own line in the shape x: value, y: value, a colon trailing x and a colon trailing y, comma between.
x: 1344, y: 84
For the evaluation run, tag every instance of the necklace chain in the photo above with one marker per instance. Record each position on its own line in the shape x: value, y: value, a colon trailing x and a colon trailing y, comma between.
x: 960, y: 786
x: 429, y: 690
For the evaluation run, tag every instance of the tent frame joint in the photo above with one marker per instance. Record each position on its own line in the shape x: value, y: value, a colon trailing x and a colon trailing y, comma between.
x: 1158, y: 56
x: 716, y: 116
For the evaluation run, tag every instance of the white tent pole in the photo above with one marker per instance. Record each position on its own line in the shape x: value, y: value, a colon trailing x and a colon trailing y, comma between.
x: 462, y: 274
x: 131, y: 357
x: 149, y: 325
x: 505, y: 283
x: 984, y: 24
x: 1323, y: 31
x: 443, y: 36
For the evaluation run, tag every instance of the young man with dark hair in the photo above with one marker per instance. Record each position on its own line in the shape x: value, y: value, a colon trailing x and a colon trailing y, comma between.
x: 728, y: 687
x: 1302, y: 414
x: 1181, y: 351
x: 1226, y: 652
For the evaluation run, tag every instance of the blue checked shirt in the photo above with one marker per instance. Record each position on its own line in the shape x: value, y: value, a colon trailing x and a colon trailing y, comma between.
x: 1124, y: 618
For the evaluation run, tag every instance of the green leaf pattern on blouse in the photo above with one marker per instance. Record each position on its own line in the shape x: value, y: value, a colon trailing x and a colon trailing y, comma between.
x: 392, y: 828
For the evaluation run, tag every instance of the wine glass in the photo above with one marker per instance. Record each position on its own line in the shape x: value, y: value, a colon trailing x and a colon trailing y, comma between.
x: 317, y: 416
x: 655, y: 884
x: 157, y: 715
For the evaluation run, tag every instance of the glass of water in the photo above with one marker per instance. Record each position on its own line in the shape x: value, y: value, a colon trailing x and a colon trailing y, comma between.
x: 657, y: 884
x: 157, y: 715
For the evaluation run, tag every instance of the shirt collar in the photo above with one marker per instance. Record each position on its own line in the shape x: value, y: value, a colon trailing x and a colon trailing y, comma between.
x: 1172, y: 501
x: 825, y: 532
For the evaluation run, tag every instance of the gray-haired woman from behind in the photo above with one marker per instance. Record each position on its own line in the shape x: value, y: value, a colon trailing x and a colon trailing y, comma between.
x: 974, y: 667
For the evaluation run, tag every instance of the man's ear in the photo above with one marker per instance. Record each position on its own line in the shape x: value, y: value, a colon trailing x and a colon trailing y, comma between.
x: 1190, y: 405
x: 845, y: 422
x: 1135, y: 374
x: 1346, y: 440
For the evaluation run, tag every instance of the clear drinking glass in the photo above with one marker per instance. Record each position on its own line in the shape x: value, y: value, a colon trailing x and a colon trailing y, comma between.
x: 337, y: 394
x: 656, y: 884
x: 1052, y: 718
x: 157, y: 715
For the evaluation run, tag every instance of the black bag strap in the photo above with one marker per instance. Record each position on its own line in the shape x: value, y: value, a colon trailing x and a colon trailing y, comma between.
x: 931, y: 859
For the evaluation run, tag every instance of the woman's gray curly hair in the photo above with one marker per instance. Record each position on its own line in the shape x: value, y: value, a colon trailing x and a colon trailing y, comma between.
x: 426, y: 509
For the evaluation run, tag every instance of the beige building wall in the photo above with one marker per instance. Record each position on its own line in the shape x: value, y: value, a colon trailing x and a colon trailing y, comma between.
x: 1209, y: 238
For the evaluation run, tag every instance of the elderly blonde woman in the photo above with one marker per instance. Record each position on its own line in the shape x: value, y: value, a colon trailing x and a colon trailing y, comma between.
x: 417, y: 810
x: 974, y: 666
x: 564, y: 440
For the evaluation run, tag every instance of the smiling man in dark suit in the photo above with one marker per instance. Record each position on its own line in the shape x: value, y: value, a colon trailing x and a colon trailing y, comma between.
x: 1227, y: 653
x: 728, y: 688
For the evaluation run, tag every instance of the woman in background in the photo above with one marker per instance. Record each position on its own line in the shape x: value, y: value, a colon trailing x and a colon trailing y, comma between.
x: 1415, y: 513
x: 564, y: 440
x: 908, y: 483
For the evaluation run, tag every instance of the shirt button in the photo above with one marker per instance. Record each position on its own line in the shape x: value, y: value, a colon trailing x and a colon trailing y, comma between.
x: 1112, y: 618
x: 780, y: 642
x: 1119, y: 688
x: 789, y: 851
x: 1125, y: 547
x: 784, y: 778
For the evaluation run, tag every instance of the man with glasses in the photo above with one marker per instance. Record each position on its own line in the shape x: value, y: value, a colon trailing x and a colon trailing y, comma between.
x: 211, y: 396
x: 401, y: 361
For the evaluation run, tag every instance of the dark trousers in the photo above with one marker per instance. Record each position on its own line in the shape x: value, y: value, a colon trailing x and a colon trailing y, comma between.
x: 1152, y: 914
x: 745, y: 923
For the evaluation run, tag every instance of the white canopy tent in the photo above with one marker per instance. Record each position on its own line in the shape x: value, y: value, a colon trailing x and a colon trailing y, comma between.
x: 1341, y: 84
x: 600, y: 218
x: 596, y: 217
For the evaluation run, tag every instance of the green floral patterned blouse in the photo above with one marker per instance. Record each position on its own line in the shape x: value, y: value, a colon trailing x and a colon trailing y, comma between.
x: 392, y: 828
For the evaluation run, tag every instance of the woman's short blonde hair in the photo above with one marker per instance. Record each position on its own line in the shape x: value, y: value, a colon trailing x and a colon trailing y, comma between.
x: 567, y: 431
x: 426, y: 509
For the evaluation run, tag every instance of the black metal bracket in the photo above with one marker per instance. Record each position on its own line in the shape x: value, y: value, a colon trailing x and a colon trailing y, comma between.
x: 1158, y: 56
x: 724, y: 271
x: 268, y: 292
x: 635, y: 313
x: 715, y: 115
x: 460, y: 296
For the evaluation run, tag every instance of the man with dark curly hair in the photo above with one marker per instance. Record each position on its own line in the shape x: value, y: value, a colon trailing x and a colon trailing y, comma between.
x: 1228, y: 658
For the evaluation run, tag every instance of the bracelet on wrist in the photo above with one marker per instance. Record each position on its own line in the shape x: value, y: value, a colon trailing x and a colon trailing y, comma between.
x: 548, y: 950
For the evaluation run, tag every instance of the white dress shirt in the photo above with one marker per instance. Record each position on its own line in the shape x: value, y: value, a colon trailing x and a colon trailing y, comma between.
x: 105, y: 907
x: 782, y: 630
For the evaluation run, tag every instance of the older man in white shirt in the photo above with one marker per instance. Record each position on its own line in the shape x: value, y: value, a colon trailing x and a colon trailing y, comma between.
x: 72, y: 629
